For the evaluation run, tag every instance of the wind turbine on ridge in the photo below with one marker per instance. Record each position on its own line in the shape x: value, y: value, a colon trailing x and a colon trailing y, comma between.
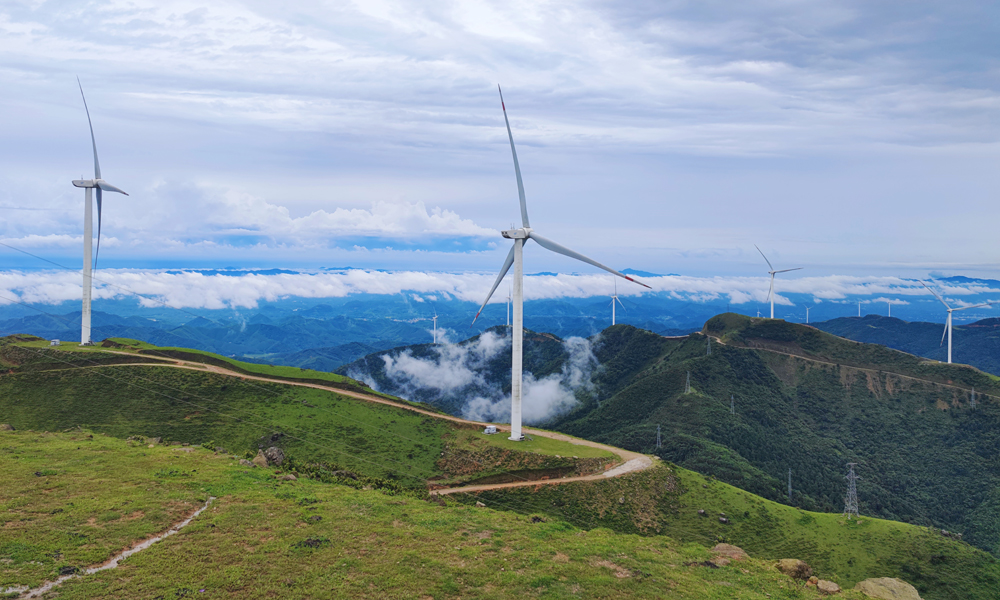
x: 435, y: 319
x: 947, y: 324
x: 515, y: 258
x: 614, y: 298
x: 88, y: 224
x: 772, y: 273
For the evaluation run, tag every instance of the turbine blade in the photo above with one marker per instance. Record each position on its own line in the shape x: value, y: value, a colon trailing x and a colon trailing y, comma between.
x: 107, y: 187
x: 771, y: 289
x: 935, y: 294
x: 517, y: 167
x: 787, y: 270
x: 98, y: 252
x: 621, y: 305
x: 503, y: 271
x: 765, y: 258
x: 560, y: 249
x: 976, y: 306
x: 944, y: 333
x: 97, y: 165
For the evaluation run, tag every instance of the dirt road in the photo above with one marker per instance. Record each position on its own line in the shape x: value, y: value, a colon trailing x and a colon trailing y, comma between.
x: 630, y: 461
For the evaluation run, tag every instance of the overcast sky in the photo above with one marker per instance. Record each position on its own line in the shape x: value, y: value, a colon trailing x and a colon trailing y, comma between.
x: 850, y: 138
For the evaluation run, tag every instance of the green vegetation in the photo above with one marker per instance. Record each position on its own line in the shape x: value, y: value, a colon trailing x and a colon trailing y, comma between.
x: 266, y: 537
x: 54, y: 390
x: 810, y: 402
x: 368, y: 466
x: 667, y: 500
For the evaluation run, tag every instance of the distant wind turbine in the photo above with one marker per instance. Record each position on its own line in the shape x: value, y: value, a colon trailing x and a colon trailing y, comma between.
x: 435, y: 319
x: 807, y: 314
x: 510, y: 291
x: 514, y: 257
x: 614, y: 298
x: 947, y: 324
x: 772, y: 273
x: 88, y: 225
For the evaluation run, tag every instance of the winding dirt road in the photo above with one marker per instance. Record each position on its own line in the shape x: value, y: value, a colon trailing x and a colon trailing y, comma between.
x: 630, y: 461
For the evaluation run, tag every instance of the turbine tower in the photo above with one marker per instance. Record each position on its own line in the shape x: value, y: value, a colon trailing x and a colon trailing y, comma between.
x: 435, y: 319
x: 514, y: 257
x: 614, y: 298
x: 88, y: 224
x: 772, y: 273
x: 947, y: 323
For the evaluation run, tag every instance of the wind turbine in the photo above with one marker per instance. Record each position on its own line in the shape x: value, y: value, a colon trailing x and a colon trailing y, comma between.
x: 772, y: 273
x: 614, y: 299
x: 947, y: 324
x: 510, y: 291
x: 514, y: 257
x: 88, y: 224
x: 435, y: 319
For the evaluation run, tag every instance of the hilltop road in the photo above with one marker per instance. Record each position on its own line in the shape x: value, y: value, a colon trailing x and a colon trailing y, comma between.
x: 630, y: 461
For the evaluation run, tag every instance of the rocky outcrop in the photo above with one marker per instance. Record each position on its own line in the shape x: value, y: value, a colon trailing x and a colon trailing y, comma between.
x: 6, y: 427
x: 275, y: 456
x: 260, y: 460
x: 794, y: 568
x: 887, y: 588
x: 729, y: 551
x: 827, y: 588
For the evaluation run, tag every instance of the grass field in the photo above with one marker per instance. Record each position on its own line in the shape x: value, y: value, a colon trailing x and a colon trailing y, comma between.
x: 264, y: 537
x: 666, y: 501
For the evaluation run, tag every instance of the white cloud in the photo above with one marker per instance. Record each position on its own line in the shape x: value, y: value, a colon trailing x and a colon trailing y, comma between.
x: 192, y: 289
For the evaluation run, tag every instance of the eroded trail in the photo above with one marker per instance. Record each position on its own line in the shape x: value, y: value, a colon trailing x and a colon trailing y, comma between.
x: 112, y: 563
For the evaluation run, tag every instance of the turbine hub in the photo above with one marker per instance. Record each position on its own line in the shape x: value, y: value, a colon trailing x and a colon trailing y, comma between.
x: 516, y: 234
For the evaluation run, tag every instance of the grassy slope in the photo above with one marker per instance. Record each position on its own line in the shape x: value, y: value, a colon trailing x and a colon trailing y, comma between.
x: 925, y: 456
x: 646, y: 503
x: 666, y: 501
x: 251, y: 543
x: 199, y: 407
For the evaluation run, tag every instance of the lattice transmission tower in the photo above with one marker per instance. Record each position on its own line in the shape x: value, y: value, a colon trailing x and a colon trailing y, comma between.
x: 659, y: 440
x: 732, y: 404
x: 851, y: 502
x: 708, y: 348
x: 687, y: 386
x: 972, y: 398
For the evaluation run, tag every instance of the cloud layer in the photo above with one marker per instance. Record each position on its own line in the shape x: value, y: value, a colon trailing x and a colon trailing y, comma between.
x: 217, y: 290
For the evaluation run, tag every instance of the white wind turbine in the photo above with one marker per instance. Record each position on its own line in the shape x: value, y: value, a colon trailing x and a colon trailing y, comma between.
x: 947, y: 324
x: 614, y: 298
x: 514, y: 257
x: 772, y: 273
x: 88, y: 224
x: 435, y: 319
x: 510, y: 291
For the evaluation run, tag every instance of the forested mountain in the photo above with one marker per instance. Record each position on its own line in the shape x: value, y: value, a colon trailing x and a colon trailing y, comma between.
x: 769, y: 397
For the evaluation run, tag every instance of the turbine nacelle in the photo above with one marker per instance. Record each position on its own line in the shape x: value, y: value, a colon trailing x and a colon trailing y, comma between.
x: 517, y: 234
x: 98, y: 183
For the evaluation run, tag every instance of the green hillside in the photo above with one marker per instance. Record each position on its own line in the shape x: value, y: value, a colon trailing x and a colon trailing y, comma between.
x: 646, y: 524
x: 54, y: 390
x: 810, y: 402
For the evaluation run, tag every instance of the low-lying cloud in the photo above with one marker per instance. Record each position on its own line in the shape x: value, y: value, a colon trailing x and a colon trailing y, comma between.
x: 217, y: 290
x: 459, y: 375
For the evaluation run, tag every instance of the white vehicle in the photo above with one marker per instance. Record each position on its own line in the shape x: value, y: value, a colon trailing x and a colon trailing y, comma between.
x: 490, y: 429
